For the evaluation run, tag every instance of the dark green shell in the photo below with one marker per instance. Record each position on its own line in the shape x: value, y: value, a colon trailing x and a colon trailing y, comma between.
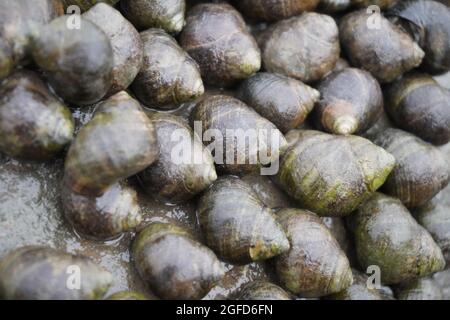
x: 126, y: 44
x: 117, y: 143
x: 351, y: 102
x: 129, y: 295
x: 420, y: 172
x: 41, y: 273
x: 102, y: 217
x: 164, y: 14
x: 429, y: 24
x: 386, y: 235
x: 78, y: 63
x: 169, y: 76
x: 85, y: 5
x: 357, y: 291
x: 419, y: 289
x: 274, y: 10
x: 34, y: 124
x: 284, y: 101
x: 216, y: 37
x: 173, y: 263
x: 267, y: 191
x: 385, y: 50
x: 315, y: 265
x: 184, y: 168
x: 262, y: 290
x: 332, y: 175
x: 304, y: 47
x: 418, y: 104
x: 236, y: 224
x: 235, y: 121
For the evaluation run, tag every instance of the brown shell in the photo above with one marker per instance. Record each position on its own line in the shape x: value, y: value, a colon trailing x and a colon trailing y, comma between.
x: 284, y: 101
x: 78, y: 63
x: 382, y: 4
x: 386, y: 235
x: 216, y: 37
x: 117, y: 143
x: 126, y: 44
x: 173, y: 263
x: 263, y: 290
x: 385, y: 50
x: 304, y: 47
x: 34, y: 124
x: 274, y: 10
x: 164, y: 14
x: 234, y: 120
x: 315, y: 265
x: 418, y: 104
x: 169, y: 76
x: 351, y: 102
x: 237, y: 225
x: 184, y: 168
x: 420, y: 172
x: 102, y: 217
x: 42, y: 273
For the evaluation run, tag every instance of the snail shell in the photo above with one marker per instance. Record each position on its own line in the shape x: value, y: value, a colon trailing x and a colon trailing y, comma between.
x: 267, y: 191
x: 102, y: 217
x: 351, y: 102
x: 233, y: 119
x: 274, y: 10
x: 41, y: 273
x: 126, y: 44
x: 164, y: 14
x: 169, y: 76
x: 173, y: 264
x: 263, y: 290
x: 85, y: 5
x: 286, y: 102
x: 383, y: 49
x: 34, y: 124
x: 177, y: 179
x: 304, y: 47
x: 78, y: 63
x: 386, y: 235
x: 331, y: 6
x: 236, y: 224
x: 357, y: 291
x: 417, y: 103
x: 315, y: 265
x: 117, y: 143
x: 420, y: 172
x: 332, y: 175
x: 419, y: 289
x: 129, y: 295
x: 216, y: 37
x: 429, y: 23
x: 382, y: 4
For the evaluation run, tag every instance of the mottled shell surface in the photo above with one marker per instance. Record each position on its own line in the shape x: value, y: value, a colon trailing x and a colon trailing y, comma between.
x: 85, y: 5
x: 169, y: 76
x: 164, y: 14
x: 184, y: 168
x: 237, y: 226
x: 382, y: 4
x: 117, y: 143
x: 41, y: 273
x: 420, y: 172
x: 351, y: 102
x: 274, y: 10
x: 173, y: 264
x: 315, y: 265
x: 304, y: 47
x: 78, y: 63
x: 263, y: 290
x: 216, y: 37
x: 34, y: 124
x: 332, y: 175
x: 286, y: 102
x: 418, y: 104
x: 125, y: 41
x: 371, y: 42
x: 419, y: 289
x: 229, y: 120
x: 359, y: 290
x: 386, y: 235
